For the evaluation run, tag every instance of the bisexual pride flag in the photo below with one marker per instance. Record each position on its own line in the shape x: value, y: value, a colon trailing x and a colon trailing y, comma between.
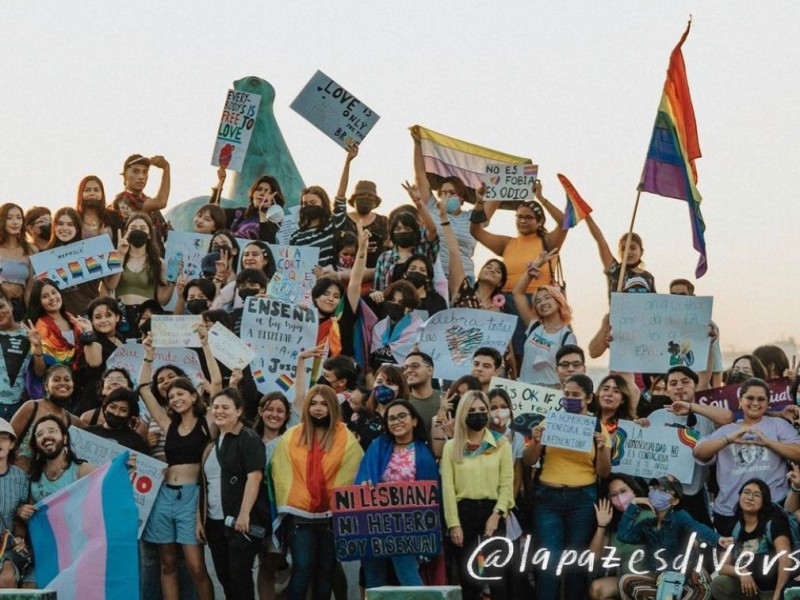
x: 84, y: 537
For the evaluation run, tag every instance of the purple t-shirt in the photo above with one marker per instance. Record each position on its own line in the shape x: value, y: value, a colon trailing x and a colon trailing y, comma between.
x: 737, y: 463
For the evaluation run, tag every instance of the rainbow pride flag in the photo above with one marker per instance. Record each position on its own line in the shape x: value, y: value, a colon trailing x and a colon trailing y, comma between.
x: 669, y: 168
x: 576, y: 209
x: 114, y: 260
x: 447, y: 156
x: 84, y: 537
x: 258, y: 375
x: 75, y: 269
x: 92, y: 265
x: 284, y: 382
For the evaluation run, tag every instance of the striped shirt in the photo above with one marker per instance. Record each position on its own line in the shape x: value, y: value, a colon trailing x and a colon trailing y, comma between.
x: 14, y: 491
x: 323, y: 237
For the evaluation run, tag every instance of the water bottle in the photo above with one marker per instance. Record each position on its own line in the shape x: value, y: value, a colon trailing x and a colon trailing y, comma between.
x: 173, y: 268
x: 255, y: 530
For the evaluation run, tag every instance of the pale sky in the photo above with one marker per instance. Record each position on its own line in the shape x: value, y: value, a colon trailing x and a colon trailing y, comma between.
x: 573, y: 85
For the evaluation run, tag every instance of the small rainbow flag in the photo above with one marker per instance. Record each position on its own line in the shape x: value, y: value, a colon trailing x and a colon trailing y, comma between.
x: 92, y: 265
x: 62, y: 273
x: 114, y: 260
x: 76, y: 270
x: 258, y: 375
x: 531, y: 170
x: 688, y: 437
x: 284, y: 382
x: 576, y: 209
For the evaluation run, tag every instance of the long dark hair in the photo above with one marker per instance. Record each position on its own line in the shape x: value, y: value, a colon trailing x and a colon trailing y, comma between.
x: 164, y: 400
x: 226, y: 233
x: 4, y: 237
x: 77, y: 222
x: 35, y: 309
x: 101, y: 212
x: 184, y: 383
x: 420, y: 431
x: 251, y: 210
x: 316, y: 190
x: 266, y: 400
x: 153, y: 253
x: 767, y: 510
x: 39, y: 460
x: 266, y: 252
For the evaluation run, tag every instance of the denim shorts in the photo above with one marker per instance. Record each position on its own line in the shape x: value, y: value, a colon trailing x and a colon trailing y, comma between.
x: 174, y: 515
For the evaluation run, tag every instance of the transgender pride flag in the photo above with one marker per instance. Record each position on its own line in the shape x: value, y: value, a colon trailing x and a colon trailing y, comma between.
x: 84, y: 537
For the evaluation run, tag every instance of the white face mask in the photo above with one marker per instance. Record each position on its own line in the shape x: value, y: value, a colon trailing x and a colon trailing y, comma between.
x: 501, y: 417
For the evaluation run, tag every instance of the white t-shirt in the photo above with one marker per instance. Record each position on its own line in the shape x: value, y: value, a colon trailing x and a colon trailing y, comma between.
x: 213, y: 473
x: 466, y: 242
x: 539, y: 358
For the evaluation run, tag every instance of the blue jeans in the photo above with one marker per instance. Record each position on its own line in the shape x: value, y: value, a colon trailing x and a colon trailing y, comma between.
x: 563, y: 519
x: 405, y: 568
x: 313, y: 559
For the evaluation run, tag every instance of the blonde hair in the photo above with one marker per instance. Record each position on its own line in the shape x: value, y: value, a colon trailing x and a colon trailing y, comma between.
x: 564, y: 310
x: 460, y: 435
x: 306, y: 436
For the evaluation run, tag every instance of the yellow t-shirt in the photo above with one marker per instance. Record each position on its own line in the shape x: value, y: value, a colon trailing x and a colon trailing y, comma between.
x: 569, y: 467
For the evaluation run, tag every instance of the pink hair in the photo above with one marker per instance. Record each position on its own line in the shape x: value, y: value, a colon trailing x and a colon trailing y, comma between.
x: 564, y: 310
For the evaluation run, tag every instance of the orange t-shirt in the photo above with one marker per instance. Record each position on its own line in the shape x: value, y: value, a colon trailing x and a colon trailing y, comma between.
x: 518, y: 253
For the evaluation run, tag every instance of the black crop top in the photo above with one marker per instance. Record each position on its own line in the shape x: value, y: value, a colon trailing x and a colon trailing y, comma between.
x: 186, y: 449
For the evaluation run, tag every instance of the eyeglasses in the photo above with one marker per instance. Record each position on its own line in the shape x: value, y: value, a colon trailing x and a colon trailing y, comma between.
x: 414, y: 366
x: 398, y: 417
x: 752, y: 493
x: 566, y: 364
x: 755, y: 398
x: 525, y: 218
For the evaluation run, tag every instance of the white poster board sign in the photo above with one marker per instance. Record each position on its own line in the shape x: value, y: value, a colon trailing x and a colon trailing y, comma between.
x: 228, y: 348
x: 569, y: 431
x: 146, y: 479
x: 175, y: 331
x: 654, y: 451
x: 335, y: 111
x: 509, y: 182
x: 79, y: 262
x: 653, y: 332
x: 235, y: 129
x: 130, y: 355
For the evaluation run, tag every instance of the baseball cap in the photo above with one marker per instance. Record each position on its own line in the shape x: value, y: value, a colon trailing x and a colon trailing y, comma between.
x: 135, y: 159
x: 669, y: 483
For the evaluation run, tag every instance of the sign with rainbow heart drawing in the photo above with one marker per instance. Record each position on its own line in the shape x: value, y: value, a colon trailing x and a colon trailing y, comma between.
x: 654, y: 451
x: 509, y: 182
x: 79, y: 262
x: 452, y: 336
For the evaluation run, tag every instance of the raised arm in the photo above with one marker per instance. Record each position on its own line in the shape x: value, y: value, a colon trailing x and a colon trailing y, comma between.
x: 457, y: 274
x: 524, y: 309
x: 552, y: 239
x: 358, y: 270
x: 214, y: 372
x: 156, y: 411
x: 111, y: 282
x: 300, y: 386
x: 159, y: 201
x: 352, y: 152
x: 599, y: 343
x: 420, y: 174
x: 606, y: 257
x: 216, y: 192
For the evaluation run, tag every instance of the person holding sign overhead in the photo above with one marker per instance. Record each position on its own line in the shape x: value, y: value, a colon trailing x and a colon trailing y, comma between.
x: 316, y: 224
x: 565, y: 492
x: 477, y: 486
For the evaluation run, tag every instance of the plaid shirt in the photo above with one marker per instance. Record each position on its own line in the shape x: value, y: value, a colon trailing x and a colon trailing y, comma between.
x: 389, y: 259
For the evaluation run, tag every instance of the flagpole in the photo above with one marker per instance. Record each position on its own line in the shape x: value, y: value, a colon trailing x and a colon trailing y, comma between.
x: 624, y: 264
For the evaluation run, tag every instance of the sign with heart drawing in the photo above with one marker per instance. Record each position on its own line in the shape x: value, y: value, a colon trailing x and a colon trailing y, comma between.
x: 452, y: 336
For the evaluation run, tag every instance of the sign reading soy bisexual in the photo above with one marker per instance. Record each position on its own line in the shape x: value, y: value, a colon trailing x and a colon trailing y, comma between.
x: 728, y: 396
x: 451, y: 337
x: 79, y: 262
x: 654, y: 451
x: 509, y: 182
x: 146, y: 479
x: 235, y: 129
x: 569, y: 431
x: 130, y: 355
x: 335, y: 111
x: 278, y: 331
x: 385, y: 520
x: 653, y: 332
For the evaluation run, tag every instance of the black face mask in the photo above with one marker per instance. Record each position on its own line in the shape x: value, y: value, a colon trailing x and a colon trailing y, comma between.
x: 404, y: 239
x: 737, y: 377
x: 321, y: 421
x: 144, y: 327
x: 311, y: 213
x: 418, y: 280
x: 115, y: 421
x: 477, y: 421
x: 363, y: 207
x: 137, y: 238
x: 45, y: 231
x: 322, y: 381
x: 197, y: 306
x: 245, y: 293
x: 395, y: 311
x: 93, y: 204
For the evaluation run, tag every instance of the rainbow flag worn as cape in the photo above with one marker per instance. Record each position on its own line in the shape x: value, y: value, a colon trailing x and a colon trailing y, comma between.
x: 669, y: 168
x: 576, y: 209
x: 85, y: 537
x: 447, y: 156
x: 290, y: 470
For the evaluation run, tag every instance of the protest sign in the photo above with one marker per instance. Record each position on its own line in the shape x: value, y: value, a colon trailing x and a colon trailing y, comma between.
x: 186, y: 249
x: 569, y: 431
x: 385, y: 520
x: 728, y: 396
x: 278, y: 331
x: 294, y: 275
x: 509, y: 182
x: 654, y: 451
x: 452, y: 336
x: 130, y: 355
x: 175, y: 331
x: 529, y: 402
x: 146, y: 479
x: 333, y: 110
x: 228, y: 348
x: 79, y: 262
x: 653, y: 332
x: 235, y: 129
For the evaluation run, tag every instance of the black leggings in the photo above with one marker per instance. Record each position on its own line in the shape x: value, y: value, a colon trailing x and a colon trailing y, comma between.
x: 233, y: 557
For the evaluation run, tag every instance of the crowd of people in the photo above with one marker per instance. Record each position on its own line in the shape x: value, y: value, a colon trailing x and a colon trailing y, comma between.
x: 251, y: 475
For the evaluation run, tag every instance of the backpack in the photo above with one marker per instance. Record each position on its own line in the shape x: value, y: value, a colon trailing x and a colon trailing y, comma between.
x: 779, y: 512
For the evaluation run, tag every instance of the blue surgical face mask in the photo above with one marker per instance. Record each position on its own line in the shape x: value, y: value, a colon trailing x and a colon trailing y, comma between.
x: 572, y: 405
x: 453, y: 204
x: 383, y: 393
x: 660, y: 499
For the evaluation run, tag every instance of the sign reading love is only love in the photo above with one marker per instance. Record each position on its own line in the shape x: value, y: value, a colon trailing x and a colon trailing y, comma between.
x: 452, y: 336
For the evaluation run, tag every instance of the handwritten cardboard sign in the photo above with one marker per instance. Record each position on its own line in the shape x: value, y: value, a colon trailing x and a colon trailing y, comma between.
x: 130, y: 355
x: 146, y: 479
x: 529, y: 402
x: 175, y: 331
x: 654, y: 451
x: 235, y: 129
x: 389, y: 519
x: 335, y: 111
x: 509, y: 182
x: 278, y: 331
x: 79, y: 262
x: 228, y: 348
x: 451, y: 337
x: 653, y: 332
x: 569, y: 431
x: 728, y: 396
